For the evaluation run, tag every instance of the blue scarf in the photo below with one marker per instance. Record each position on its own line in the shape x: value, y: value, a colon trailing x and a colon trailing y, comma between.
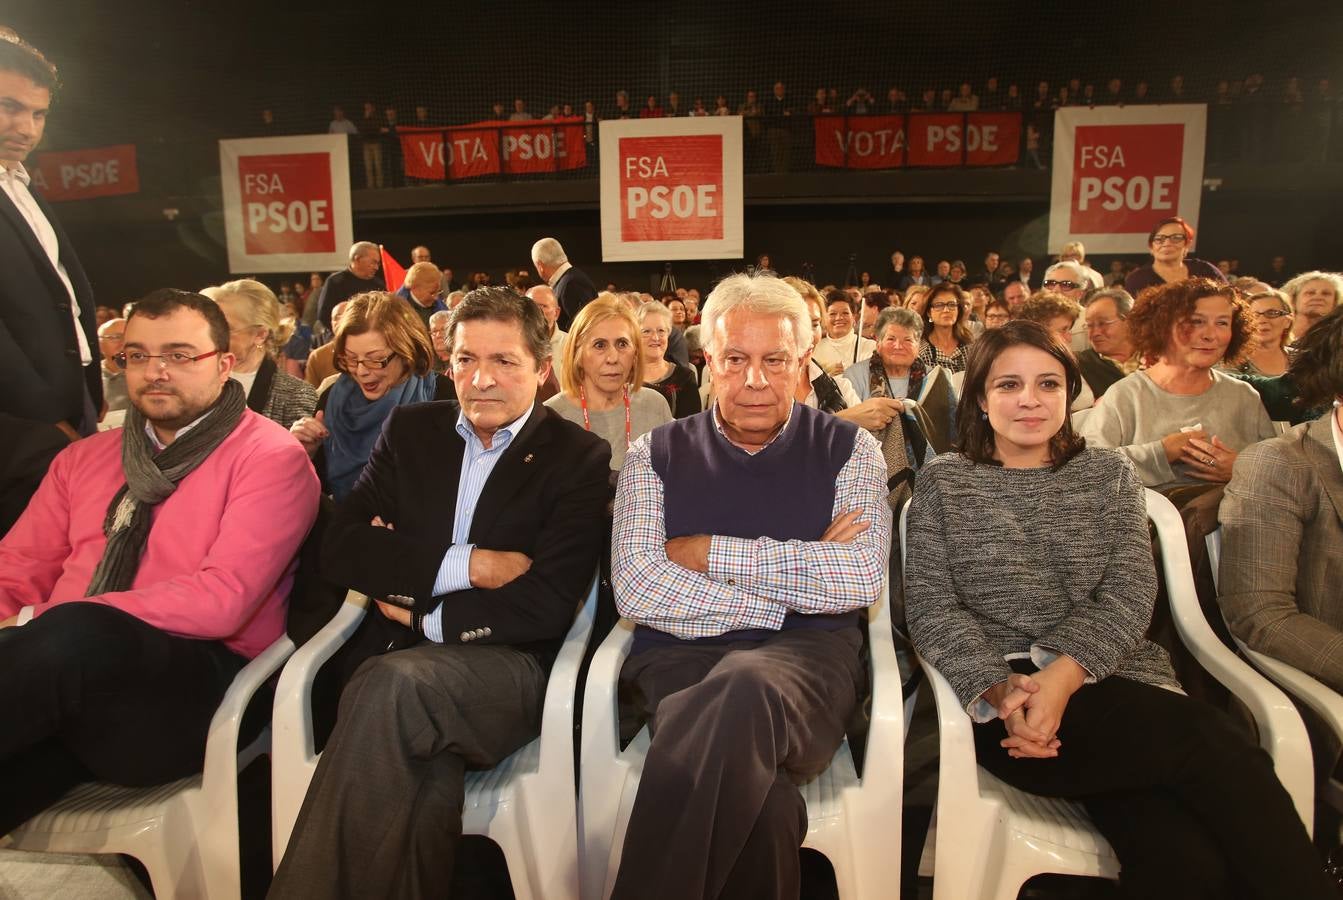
x: 355, y: 423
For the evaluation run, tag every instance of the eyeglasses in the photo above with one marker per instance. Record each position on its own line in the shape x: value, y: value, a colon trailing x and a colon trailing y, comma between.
x: 1066, y: 285
x: 1177, y: 238
x: 951, y: 304
x: 352, y: 363
x: 176, y: 360
x: 1272, y: 314
x: 1100, y: 324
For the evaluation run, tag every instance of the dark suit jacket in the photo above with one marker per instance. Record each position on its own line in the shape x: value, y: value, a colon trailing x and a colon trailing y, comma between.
x: 546, y: 497
x: 574, y: 291
x: 39, y: 354
x: 1099, y: 371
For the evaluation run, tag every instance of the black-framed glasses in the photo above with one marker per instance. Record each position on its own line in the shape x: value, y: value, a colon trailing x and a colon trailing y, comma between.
x: 1177, y: 238
x: 175, y: 360
x: 352, y: 363
x: 951, y: 304
x: 1066, y: 285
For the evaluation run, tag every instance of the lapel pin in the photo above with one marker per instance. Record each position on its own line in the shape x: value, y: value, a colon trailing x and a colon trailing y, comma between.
x: 528, y: 458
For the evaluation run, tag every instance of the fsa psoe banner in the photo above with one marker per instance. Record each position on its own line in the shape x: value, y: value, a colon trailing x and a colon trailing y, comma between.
x: 1118, y: 170
x: 671, y: 189
x: 286, y: 203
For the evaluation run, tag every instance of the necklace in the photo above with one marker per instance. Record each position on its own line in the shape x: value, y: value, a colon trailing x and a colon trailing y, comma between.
x: 587, y: 422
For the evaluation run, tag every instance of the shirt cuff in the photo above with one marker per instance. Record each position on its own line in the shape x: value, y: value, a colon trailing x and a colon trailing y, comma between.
x: 432, y: 625
x: 25, y: 615
x: 732, y: 561
x: 454, y: 573
x: 981, y: 711
x: 1043, y: 656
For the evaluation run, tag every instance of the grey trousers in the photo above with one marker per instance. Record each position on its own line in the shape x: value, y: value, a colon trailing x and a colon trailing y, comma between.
x: 384, y: 812
x: 735, y: 726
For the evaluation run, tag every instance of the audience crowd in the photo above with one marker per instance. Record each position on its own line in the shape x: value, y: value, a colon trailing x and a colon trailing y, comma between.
x: 729, y: 465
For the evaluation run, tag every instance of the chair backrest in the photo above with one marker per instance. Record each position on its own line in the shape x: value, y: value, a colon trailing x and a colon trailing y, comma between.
x: 313, y: 600
x: 1213, y: 540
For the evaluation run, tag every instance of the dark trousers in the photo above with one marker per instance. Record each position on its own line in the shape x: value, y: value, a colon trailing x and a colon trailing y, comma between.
x: 93, y: 693
x: 383, y: 814
x: 735, y: 726
x: 1190, y: 805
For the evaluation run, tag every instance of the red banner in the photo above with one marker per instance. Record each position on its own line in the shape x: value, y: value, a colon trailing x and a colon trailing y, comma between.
x: 860, y: 142
x: 491, y: 148
x: 671, y: 188
x: 919, y: 139
x: 1125, y: 176
x: 80, y: 174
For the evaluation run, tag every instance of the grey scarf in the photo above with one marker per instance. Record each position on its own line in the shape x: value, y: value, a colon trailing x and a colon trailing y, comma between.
x: 151, y: 478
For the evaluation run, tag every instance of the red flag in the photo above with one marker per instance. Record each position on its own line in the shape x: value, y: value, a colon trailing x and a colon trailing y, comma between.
x: 392, y: 271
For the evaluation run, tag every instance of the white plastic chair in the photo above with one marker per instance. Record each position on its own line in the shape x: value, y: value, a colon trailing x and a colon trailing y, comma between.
x: 184, y: 833
x: 1316, y: 695
x: 989, y: 838
x: 854, y: 821
x: 525, y: 804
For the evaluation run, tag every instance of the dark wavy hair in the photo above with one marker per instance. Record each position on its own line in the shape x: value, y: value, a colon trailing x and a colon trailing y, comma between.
x: 975, y: 434
x: 1317, y: 367
x: 1159, y: 309
x: 961, y: 328
x: 17, y: 55
x: 166, y: 301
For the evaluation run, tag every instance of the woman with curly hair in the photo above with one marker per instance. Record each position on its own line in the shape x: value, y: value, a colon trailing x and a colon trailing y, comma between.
x: 946, y: 328
x: 1181, y: 421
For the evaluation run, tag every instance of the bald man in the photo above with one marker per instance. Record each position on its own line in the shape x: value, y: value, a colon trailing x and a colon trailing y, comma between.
x: 544, y: 297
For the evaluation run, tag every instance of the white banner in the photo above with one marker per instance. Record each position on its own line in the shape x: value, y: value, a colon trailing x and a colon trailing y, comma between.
x: 286, y: 203
x: 672, y: 189
x: 1118, y: 170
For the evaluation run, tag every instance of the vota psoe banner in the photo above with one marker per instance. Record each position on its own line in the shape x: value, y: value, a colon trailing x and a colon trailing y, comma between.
x: 489, y: 148
x: 286, y: 203
x: 1120, y: 170
x: 935, y: 140
x: 81, y: 174
x: 672, y: 189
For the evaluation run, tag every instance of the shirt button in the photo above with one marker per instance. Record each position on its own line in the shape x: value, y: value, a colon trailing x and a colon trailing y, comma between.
x: 486, y: 632
x: 732, y: 581
x: 465, y: 636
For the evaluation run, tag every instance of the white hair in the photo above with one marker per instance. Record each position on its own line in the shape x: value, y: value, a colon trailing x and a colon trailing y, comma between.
x: 1073, y: 267
x: 541, y: 290
x: 1334, y: 279
x: 762, y: 295
x: 549, y: 253
x: 359, y: 248
x: 1074, y: 247
x: 652, y: 308
x: 441, y: 316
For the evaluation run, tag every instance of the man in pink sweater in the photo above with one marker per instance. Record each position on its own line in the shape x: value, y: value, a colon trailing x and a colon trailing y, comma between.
x: 153, y: 562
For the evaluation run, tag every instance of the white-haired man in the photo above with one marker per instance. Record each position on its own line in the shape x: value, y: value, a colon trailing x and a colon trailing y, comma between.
x: 747, y: 540
x: 1076, y: 252
x: 359, y: 276
x: 421, y: 290
x: 544, y: 297
x: 1070, y: 280
x: 573, y: 289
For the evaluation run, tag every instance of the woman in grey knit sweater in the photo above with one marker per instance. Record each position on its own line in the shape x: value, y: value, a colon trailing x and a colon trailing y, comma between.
x: 1041, y: 637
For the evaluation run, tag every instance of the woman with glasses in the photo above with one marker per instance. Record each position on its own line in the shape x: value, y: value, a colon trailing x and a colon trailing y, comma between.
x: 1043, y: 638
x: 1270, y: 330
x: 255, y: 339
x: 1170, y: 243
x: 946, y: 329
x: 1182, y: 421
x: 384, y: 358
x: 602, y: 376
x: 676, y: 383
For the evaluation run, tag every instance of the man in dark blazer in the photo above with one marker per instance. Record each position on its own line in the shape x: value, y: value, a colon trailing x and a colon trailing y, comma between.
x: 48, y: 338
x: 478, y: 526
x: 573, y: 289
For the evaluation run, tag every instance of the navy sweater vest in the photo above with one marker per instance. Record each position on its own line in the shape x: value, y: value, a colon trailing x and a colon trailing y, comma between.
x: 784, y: 492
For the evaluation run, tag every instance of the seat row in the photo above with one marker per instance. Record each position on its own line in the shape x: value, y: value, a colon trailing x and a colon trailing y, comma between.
x: 985, y: 841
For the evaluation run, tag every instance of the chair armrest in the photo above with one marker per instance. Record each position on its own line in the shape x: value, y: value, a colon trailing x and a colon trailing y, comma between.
x: 293, y: 754
x: 220, y: 777
x: 557, y: 716
x: 958, y: 770
x: 1315, y: 694
x: 886, y: 734
x: 1281, y: 731
x: 601, y: 715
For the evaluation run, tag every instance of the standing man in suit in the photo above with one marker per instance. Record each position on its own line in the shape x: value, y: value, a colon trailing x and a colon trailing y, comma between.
x: 572, y: 288
x: 48, y: 341
x: 479, y: 522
